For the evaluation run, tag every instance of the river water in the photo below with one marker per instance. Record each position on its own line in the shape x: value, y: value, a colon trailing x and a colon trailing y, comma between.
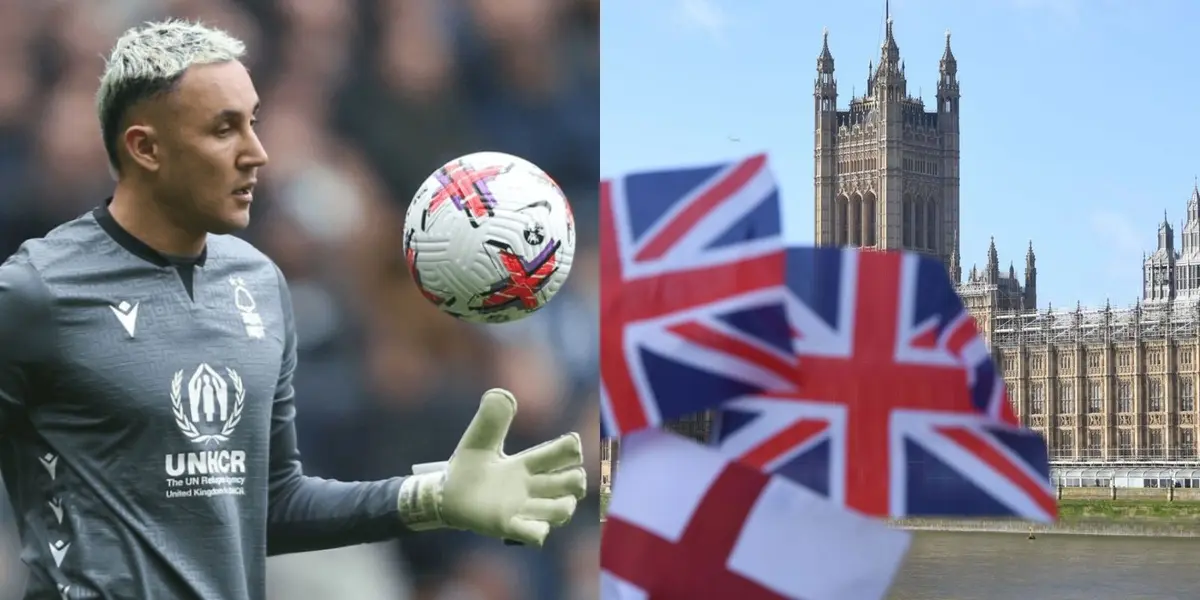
x: 1007, y: 566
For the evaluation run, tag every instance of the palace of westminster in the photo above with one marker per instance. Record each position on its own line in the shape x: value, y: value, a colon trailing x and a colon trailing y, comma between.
x: 1109, y: 387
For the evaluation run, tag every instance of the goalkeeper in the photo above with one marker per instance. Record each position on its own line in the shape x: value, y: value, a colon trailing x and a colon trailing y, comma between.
x: 146, y: 364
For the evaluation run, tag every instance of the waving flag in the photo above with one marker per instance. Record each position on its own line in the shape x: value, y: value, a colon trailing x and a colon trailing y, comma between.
x: 687, y: 523
x: 897, y: 407
x: 692, y: 292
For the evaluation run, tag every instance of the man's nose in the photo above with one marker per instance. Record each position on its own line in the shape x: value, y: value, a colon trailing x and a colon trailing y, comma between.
x: 255, y: 155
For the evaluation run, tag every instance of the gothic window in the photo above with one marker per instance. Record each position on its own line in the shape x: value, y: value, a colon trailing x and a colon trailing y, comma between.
x: 1154, y: 395
x: 1064, y: 361
x: 1124, y: 359
x: 843, y: 221
x: 1187, y: 394
x: 918, y: 220
x: 855, y: 224
x: 1125, y: 442
x: 869, y: 213
x: 1066, y: 398
x: 1066, y: 441
x: 1156, y: 443
x: 930, y: 225
x: 907, y: 206
x: 1095, y: 443
x: 1124, y: 397
x: 1037, y: 399
x: 1093, y: 360
x: 1095, y: 399
x: 1187, y: 442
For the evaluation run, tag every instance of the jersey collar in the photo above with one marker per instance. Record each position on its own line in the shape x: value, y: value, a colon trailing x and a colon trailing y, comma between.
x: 135, y: 246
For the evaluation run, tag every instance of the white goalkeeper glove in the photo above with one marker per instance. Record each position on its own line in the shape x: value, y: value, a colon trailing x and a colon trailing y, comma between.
x: 517, y: 498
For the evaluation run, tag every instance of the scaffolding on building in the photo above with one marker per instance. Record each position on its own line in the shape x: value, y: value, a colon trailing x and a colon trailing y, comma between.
x: 1152, y: 321
x: 973, y: 289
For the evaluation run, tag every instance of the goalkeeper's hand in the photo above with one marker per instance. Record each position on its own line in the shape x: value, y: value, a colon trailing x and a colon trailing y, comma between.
x: 518, y: 497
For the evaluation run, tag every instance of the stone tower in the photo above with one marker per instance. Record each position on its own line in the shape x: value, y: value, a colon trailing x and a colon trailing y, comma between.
x: 1158, y: 272
x: 886, y: 173
x: 887, y: 177
x: 1173, y: 272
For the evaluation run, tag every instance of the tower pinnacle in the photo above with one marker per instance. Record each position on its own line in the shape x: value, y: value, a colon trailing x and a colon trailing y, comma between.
x: 890, y: 50
x: 955, y: 260
x: 1030, y: 298
x: 825, y: 59
x: 993, y: 262
x: 948, y: 65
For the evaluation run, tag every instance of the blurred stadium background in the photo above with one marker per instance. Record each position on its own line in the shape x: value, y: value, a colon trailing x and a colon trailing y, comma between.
x: 362, y: 100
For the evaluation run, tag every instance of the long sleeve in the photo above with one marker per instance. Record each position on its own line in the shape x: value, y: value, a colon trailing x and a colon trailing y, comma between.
x: 310, y: 513
x: 26, y: 337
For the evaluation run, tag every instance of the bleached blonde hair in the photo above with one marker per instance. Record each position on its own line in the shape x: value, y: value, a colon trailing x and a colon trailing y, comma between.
x: 149, y: 60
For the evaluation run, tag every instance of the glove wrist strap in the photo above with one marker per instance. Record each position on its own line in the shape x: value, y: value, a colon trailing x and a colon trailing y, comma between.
x: 420, y: 501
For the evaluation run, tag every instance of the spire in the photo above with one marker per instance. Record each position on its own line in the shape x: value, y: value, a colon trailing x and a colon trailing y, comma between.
x: 1166, y: 235
x: 948, y: 64
x: 947, y: 88
x: 889, y: 74
x: 993, y: 263
x: 825, y: 86
x: 955, y: 260
x: 1193, y: 212
x: 1012, y: 270
x: 825, y: 60
x: 1030, y: 290
x: 889, y: 51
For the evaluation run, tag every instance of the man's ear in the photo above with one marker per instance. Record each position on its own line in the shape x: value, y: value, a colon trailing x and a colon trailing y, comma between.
x: 142, y: 144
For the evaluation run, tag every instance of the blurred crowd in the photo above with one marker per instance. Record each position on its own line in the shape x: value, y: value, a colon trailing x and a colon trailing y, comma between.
x: 362, y: 100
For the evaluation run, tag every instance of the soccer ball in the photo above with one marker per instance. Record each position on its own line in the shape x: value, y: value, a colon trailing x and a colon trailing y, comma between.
x: 489, y: 238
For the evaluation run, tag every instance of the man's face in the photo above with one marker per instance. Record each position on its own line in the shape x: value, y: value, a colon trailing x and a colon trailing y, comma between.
x: 209, y: 152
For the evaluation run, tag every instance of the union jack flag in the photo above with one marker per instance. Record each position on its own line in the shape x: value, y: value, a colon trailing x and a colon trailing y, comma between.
x: 897, y: 408
x: 692, y: 291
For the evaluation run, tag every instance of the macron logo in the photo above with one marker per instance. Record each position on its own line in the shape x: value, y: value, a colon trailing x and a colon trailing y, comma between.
x: 127, y: 315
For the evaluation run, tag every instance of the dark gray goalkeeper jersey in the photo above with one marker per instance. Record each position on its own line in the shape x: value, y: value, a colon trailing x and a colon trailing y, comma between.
x: 146, y: 435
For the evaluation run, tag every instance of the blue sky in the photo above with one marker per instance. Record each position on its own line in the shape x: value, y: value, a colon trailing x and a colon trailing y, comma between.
x: 1080, y: 118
